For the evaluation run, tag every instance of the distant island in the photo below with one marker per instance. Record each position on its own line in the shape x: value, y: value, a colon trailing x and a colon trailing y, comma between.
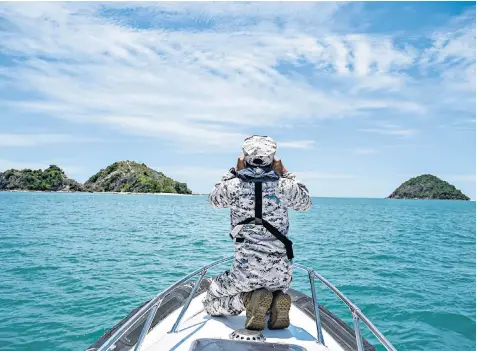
x: 129, y: 176
x: 51, y: 179
x: 121, y: 177
x: 429, y: 187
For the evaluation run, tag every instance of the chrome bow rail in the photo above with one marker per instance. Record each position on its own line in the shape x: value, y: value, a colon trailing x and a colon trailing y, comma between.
x: 152, y: 306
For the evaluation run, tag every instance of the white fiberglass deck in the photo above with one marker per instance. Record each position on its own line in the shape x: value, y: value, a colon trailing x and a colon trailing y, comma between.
x: 189, y: 322
x: 196, y: 324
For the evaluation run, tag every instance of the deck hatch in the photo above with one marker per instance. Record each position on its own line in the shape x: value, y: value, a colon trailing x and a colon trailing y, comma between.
x: 207, y: 344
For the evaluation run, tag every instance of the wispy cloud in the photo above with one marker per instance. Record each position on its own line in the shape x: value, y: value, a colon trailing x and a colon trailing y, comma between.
x: 297, y: 144
x: 461, y: 124
x: 312, y: 175
x: 214, y: 80
x: 400, y: 132
x: 25, y: 140
x: 450, y: 45
x: 406, y: 146
x: 390, y: 129
x: 365, y: 151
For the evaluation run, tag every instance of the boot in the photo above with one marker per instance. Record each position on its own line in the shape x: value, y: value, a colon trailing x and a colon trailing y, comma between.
x: 279, y: 314
x: 257, y: 303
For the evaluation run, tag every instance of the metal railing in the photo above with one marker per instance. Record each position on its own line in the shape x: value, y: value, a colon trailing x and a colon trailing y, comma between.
x: 152, y: 306
x: 355, y: 311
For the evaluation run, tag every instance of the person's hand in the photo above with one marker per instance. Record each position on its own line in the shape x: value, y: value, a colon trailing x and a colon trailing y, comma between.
x: 240, y: 164
x: 278, y: 166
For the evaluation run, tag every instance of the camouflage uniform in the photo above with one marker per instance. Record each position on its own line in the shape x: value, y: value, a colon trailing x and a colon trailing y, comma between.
x: 260, y: 260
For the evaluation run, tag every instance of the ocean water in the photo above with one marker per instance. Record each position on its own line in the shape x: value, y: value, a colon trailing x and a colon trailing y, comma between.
x: 73, y: 265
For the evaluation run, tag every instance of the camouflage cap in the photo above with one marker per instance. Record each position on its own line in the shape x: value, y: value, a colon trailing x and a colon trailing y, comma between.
x: 259, y: 150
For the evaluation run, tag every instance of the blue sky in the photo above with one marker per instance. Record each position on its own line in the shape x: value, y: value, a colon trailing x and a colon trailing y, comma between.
x: 359, y: 96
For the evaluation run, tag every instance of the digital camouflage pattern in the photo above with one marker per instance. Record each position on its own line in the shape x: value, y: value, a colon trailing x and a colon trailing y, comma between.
x: 259, y: 150
x: 260, y: 260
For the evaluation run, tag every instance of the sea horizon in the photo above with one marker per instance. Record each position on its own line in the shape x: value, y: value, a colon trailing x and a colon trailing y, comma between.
x: 175, y: 194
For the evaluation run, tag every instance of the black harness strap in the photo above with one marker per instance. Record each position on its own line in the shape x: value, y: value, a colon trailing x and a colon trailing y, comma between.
x: 258, y: 203
x: 260, y: 221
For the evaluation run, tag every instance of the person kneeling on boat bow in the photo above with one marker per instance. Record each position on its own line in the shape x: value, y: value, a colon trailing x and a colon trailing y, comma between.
x: 259, y: 192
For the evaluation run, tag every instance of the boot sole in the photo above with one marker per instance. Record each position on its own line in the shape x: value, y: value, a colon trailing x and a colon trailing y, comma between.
x: 279, y: 316
x: 257, y: 309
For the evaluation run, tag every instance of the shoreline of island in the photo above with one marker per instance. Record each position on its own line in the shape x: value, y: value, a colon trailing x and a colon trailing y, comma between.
x: 174, y: 194
x: 94, y: 192
x: 121, y: 177
x: 133, y: 178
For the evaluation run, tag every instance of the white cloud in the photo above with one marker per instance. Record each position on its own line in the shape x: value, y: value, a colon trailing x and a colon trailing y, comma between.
x: 204, y: 88
x: 464, y: 125
x: 314, y: 175
x: 453, y: 46
x: 296, y: 144
x: 390, y: 129
x: 365, y: 150
x: 20, y: 140
x: 400, y: 132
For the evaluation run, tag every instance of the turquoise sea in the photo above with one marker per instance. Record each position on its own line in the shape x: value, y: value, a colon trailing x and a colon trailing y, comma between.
x: 73, y: 265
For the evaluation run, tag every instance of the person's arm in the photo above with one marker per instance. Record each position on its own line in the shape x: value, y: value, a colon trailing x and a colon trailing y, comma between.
x: 219, y: 197
x: 298, y: 196
x: 296, y: 192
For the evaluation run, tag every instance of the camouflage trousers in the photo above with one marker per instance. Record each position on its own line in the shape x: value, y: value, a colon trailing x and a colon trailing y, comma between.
x: 260, y: 262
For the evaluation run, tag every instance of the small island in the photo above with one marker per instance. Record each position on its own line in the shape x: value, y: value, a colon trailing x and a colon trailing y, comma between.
x: 120, y: 177
x: 51, y: 179
x: 429, y: 187
x: 133, y: 177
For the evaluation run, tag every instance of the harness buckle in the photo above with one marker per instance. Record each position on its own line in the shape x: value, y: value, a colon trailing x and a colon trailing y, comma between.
x: 258, y: 221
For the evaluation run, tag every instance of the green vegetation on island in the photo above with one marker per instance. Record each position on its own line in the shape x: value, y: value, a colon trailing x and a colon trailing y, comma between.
x: 429, y: 187
x: 122, y: 176
x: 129, y: 176
x: 51, y: 179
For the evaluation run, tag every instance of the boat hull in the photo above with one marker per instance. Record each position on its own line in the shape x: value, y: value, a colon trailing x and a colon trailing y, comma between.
x: 341, y: 333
